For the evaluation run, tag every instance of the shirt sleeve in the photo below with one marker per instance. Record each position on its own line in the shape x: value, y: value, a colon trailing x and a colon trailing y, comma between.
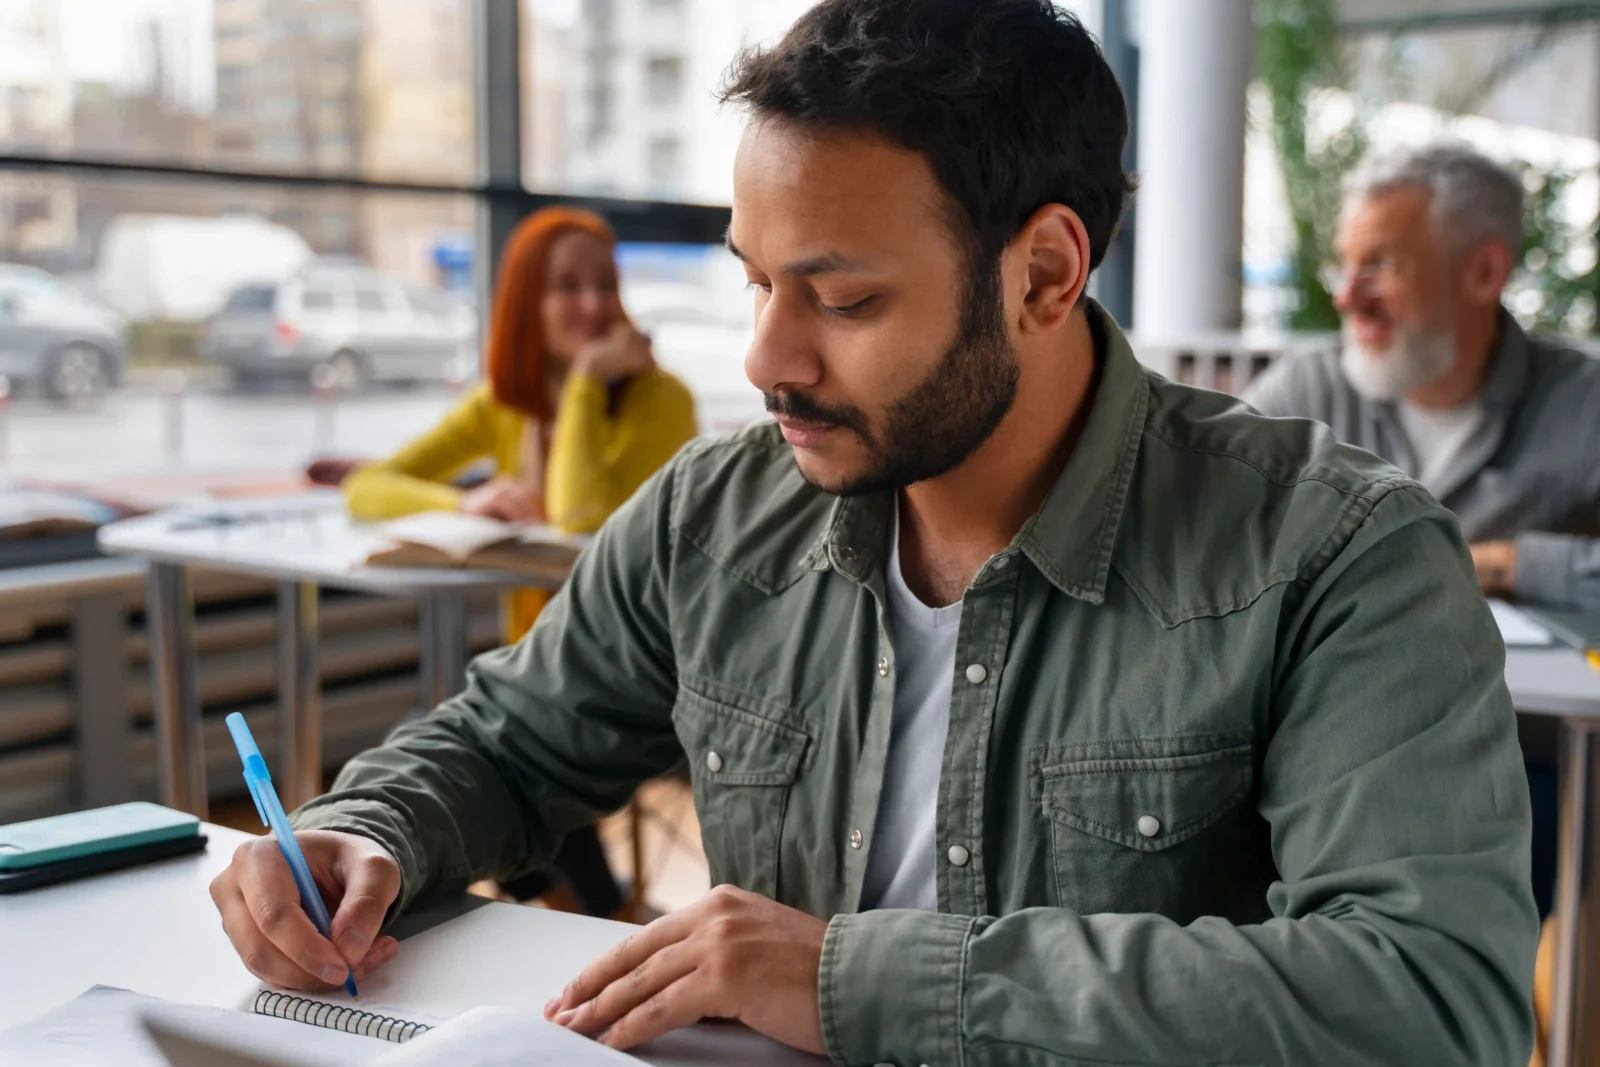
x: 598, y: 459
x: 416, y: 477
x: 551, y: 733
x: 1403, y: 926
x: 1563, y: 569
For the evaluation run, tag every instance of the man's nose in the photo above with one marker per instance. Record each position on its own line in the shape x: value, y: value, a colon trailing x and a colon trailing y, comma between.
x: 781, y: 351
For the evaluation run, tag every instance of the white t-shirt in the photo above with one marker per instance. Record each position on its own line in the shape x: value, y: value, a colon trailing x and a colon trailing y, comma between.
x: 900, y: 866
x: 1438, y: 436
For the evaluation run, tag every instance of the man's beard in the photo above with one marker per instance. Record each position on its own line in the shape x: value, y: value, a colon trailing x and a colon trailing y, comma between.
x: 1416, y: 357
x: 941, y: 421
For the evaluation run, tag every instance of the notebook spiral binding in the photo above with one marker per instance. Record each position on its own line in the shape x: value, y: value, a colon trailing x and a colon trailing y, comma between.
x: 335, y: 1017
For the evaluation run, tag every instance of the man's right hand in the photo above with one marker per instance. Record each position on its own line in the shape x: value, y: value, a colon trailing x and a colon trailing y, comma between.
x: 275, y: 937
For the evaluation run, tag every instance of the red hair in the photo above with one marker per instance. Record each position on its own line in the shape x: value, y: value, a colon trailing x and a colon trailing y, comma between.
x: 514, y: 357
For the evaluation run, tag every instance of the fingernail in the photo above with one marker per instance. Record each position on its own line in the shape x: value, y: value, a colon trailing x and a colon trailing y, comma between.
x: 550, y: 1008
x: 352, y: 945
x: 567, y: 1016
x: 333, y: 974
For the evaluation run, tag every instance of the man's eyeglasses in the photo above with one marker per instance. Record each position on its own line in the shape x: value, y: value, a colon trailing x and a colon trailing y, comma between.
x: 1381, y: 273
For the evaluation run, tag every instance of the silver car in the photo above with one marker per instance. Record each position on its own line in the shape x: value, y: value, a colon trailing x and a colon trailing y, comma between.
x: 56, y: 340
x: 342, y: 328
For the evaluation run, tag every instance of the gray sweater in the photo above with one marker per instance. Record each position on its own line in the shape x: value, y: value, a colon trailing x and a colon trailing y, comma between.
x: 1531, y: 472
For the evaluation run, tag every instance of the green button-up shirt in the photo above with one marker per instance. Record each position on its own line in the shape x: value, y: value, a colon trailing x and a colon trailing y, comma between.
x: 1237, y: 782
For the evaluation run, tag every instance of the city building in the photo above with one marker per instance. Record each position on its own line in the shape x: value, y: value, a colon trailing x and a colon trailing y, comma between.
x: 38, y: 213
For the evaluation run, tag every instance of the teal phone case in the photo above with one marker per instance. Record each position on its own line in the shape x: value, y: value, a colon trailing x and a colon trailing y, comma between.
x: 84, y: 833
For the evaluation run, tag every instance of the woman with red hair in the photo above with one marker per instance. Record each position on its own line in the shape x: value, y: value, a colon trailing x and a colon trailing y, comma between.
x: 575, y: 416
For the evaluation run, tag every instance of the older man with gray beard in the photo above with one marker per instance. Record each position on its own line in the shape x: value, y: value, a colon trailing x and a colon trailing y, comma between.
x: 1439, y: 380
x: 1435, y: 377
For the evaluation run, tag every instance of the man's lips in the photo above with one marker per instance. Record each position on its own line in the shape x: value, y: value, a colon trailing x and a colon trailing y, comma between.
x: 1369, y: 331
x: 803, y: 434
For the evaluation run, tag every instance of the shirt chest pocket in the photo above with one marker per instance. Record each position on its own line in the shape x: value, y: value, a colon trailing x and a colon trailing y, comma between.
x: 743, y: 766
x: 1163, y: 834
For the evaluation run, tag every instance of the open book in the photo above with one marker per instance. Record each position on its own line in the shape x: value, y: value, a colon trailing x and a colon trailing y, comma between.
x: 450, y: 539
x: 116, y: 1028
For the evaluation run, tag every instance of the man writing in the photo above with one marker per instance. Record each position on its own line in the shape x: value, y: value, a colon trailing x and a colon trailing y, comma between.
x: 1035, y: 706
x: 1435, y: 377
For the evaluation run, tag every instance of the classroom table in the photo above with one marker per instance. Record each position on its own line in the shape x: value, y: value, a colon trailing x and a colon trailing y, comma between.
x: 154, y: 930
x: 1560, y: 683
x: 302, y: 542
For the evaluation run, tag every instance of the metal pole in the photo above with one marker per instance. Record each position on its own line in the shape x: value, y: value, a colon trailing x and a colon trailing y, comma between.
x: 444, y: 647
x: 497, y: 63
x: 5, y: 419
x: 299, y: 694
x: 324, y: 391
x: 180, y: 743
x: 173, y: 386
x: 1115, y: 289
x: 100, y: 692
x: 1572, y: 1031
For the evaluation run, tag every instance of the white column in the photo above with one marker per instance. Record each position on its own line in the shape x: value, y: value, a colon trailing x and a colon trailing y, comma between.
x: 1194, y: 68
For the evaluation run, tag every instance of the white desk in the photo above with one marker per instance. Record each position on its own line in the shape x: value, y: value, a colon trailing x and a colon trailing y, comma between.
x: 1558, y: 682
x: 154, y: 930
x: 302, y: 543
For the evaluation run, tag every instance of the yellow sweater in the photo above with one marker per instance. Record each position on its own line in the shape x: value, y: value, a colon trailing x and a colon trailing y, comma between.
x: 597, y: 459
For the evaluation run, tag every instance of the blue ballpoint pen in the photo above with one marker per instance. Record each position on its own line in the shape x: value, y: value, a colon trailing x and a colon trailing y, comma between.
x: 270, y: 808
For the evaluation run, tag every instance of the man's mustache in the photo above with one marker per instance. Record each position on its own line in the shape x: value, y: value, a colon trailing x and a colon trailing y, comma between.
x: 802, y: 408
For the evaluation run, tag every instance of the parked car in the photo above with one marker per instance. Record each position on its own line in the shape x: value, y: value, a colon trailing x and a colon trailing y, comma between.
x: 56, y: 340
x: 345, y: 326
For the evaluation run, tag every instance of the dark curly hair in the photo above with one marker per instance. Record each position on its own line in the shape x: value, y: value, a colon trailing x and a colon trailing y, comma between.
x: 1010, y: 102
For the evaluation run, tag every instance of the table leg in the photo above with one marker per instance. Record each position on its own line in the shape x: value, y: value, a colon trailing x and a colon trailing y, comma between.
x: 180, y: 743
x: 443, y: 619
x: 1574, y: 1033
x: 100, y: 692
x: 299, y: 695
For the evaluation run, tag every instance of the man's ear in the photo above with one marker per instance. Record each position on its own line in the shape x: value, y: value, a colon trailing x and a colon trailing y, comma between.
x: 1051, y: 258
x: 1485, y: 269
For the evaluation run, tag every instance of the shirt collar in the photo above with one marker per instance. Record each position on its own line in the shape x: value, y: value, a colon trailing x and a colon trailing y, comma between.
x: 1508, y: 373
x: 1071, y: 536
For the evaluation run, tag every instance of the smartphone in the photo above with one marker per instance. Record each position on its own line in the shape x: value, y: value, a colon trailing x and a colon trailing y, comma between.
x: 85, y: 833
x: 99, y: 863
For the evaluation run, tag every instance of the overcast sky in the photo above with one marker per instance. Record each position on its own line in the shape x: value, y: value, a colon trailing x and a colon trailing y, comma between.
x: 107, y: 40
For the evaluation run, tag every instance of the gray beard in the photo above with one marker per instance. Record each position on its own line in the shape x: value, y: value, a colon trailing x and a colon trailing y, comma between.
x: 1416, y: 358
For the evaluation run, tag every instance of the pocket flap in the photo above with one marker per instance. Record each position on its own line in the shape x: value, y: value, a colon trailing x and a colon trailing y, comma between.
x: 731, y: 746
x: 1147, y: 803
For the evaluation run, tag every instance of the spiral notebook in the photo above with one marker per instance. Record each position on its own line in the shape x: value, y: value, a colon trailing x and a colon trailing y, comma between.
x: 383, y: 1023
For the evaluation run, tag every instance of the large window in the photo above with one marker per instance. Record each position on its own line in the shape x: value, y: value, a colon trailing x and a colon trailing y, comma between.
x: 262, y: 200
x: 346, y: 87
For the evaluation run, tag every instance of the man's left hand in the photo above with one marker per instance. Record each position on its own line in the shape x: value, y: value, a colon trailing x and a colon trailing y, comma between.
x: 1496, y: 564
x: 732, y: 955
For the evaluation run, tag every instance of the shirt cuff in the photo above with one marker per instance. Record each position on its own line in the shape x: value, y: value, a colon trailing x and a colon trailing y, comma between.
x: 375, y: 822
x: 890, y: 986
x: 1545, y: 568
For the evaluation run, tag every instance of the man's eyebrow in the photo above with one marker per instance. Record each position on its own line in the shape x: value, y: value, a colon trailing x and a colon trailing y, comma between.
x: 825, y: 263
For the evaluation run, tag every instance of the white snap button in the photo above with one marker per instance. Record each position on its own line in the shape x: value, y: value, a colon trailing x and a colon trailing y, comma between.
x: 1149, y: 825
x: 883, y: 667
x: 976, y: 674
x: 958, y: 856
x: 855, y: 839
x: 713, y: 762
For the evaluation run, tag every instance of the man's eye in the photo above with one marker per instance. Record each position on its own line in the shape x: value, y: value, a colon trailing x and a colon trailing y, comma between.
x: 847, y: 310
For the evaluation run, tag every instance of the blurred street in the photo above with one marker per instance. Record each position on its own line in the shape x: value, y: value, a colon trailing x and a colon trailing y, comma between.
x: 142, y: 430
